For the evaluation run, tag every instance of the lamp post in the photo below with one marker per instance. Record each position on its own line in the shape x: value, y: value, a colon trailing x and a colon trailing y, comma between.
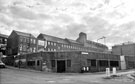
x: 102, y: 38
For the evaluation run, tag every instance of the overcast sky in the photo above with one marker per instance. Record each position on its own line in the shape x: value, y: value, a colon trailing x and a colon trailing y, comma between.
x: 114, y: 19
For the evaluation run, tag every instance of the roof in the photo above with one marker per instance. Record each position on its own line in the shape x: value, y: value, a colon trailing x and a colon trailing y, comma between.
x: 123, y: 44
x: 23, y: 34
x: 3, y: 35
x: 88, y: 41
x: 73, y: 41
x: 54, y: 39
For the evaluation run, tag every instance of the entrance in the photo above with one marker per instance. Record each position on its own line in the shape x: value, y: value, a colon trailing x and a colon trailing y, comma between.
x: 61, y: 66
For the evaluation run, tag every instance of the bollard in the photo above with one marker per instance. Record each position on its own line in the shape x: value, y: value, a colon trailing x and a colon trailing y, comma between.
x: 108, y: 72
x: 114, y: 70
x: 87, y: 69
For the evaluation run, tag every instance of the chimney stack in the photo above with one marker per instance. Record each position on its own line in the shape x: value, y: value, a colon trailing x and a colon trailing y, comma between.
x: 82, y: 37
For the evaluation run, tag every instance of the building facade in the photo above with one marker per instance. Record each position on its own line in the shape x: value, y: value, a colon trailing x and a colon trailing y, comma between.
x: 52, y: 43
x: 3, y: 43
x: 124, y: 49
x: 21, y: 43
x: 68, y: 61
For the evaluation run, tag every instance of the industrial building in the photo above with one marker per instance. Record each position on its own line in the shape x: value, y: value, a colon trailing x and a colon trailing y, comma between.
x: 22, y: 43
x: 127, y: 49
x: 72, y: 61
x: 52, y: 43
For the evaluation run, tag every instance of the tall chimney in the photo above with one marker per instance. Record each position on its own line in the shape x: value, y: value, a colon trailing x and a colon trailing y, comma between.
x: 82, y: 38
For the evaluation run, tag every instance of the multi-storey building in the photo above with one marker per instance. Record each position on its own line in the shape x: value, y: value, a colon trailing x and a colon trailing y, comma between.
x: 3, y: 43
x: 20, y: 43
x: 124, y: 49
x: 52, y: 43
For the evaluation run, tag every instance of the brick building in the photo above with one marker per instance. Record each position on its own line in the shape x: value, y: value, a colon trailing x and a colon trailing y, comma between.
x: 52, y: 43
x: 21, y: 43
x: 3, y: 43
x: 68, y: 61
x: 124, y: 49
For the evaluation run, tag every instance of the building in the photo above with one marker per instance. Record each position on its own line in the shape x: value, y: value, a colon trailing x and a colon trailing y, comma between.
x: 124, y: 49
x: 52, y: 43
x: 3, y: 43
x: 68, y: 61
x: 21, y: 43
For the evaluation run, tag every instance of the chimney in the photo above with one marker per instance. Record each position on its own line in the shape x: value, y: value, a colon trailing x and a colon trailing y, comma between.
x: 82, y: 38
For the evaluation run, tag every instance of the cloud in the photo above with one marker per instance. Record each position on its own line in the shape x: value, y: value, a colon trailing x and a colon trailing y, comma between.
x: 66, y: 18
x: 23, y: 12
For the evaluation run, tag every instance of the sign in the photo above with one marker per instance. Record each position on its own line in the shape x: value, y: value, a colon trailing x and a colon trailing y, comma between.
x: 84, y: 53
x: 40, y: 42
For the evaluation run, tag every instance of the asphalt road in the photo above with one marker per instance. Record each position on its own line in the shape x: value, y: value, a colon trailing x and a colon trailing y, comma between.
x: 16, y: 76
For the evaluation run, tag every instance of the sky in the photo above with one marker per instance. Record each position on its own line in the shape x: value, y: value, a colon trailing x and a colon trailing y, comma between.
x: 113, y: 19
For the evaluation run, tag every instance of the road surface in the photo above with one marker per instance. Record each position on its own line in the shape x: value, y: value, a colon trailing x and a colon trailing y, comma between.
x: 16, y: 76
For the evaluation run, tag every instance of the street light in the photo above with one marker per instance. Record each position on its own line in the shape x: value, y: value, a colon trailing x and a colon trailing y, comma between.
x: 102, y: 38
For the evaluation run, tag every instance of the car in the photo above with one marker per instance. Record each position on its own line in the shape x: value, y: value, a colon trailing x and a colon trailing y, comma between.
x: 2, y: 65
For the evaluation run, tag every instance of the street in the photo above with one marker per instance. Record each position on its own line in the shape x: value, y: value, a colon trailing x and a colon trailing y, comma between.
x: 16, y: 76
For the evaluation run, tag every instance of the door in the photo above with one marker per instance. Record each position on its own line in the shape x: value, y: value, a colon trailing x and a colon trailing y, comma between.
x: 61, y: 66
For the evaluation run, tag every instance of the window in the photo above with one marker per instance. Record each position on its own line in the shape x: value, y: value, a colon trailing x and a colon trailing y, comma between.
x: 5, y: 39
x: 51, y: 49
x: 20, y: 47
x: 68, y: 63
x: 103, y: 63
x: 21, y: 39
x: 114, y: 63
x: 53, y: 63
x: 38, y: 62
x: 31, y: 63
x: 34, y: 49
x: 48, y: 49
x: 27, y: 40
x: 24, y: 39
x: 31, y: 40
x: 54, y: 44
x: 93, y: 62
x: 1, y: 40
x: 62, y: 45
x: 54, y: 49
x: 34, y: 41
x: 30, y: 49
x: 48, y: 43
x: 24, y: 47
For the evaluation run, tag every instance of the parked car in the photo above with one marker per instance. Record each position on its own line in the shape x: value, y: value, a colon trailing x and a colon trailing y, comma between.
x: 2, y: 65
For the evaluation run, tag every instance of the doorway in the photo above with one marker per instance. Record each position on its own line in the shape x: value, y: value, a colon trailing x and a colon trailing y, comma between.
x: 61, y: 66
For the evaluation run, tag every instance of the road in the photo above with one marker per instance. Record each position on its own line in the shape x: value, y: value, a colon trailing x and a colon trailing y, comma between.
x: 16, y: 76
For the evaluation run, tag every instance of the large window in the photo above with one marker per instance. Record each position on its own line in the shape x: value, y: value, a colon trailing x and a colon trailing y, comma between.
x: 103, y: 63
x: 114, y: 63
x: 31, y: 63
x: 93, y: 62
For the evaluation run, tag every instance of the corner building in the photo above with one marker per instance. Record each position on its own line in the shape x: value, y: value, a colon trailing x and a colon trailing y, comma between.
x: 21, y: 43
